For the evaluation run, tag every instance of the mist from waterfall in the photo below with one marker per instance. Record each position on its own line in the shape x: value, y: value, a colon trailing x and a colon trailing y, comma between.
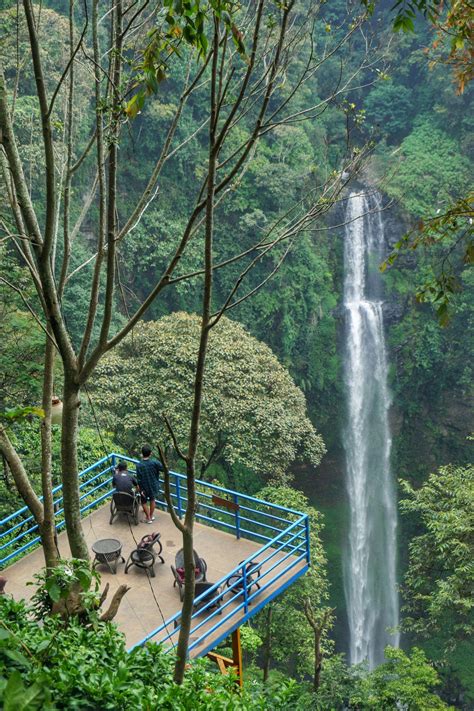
x: 370, y: 557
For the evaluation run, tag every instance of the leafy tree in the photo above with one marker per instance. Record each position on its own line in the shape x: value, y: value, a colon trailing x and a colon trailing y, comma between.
x: 296, y: 625
x: 453, y: 24
x: 390, y: 107
x: 439, y: 582
x: 404, y: 680
x: 253, y: 415
x: 431, y: 172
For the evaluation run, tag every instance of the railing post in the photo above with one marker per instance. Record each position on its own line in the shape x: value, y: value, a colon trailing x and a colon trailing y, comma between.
x: 113, y: 465
x: 178, y: 495
x: 237, y: 515
x: 246, y: 592
x: 308, y: 552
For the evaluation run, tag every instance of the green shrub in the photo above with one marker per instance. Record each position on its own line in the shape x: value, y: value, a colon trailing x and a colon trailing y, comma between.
x: 81, y: 664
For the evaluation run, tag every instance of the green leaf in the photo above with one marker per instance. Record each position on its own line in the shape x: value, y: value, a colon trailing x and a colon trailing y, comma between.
x: 18, y: 413
x: 204, y: 44
x: 44, y: 644
x: 54, y: 591
x: 17, y: 697
x: 443, y: 314
x: 17, y: 657
x: 84, y: 577
x: 135, y: 104
x: 189, y: 35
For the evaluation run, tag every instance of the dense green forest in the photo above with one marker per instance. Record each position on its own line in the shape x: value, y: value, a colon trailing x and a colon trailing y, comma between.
x: 395, y: 120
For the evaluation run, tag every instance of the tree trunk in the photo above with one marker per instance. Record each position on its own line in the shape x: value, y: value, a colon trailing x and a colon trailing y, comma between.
x: 31, y: 499
x: 5, y: 471
x: 187, y: 609
x: 70, y: 469
x: 230, y: 476
x: 318, y: 629
x: 318, y: 658
x: 267, y: 649
x: 47, y: 528
x: 20, y: 477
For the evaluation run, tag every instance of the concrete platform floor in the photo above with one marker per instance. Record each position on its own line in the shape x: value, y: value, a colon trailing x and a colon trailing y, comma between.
x: 140, y: 613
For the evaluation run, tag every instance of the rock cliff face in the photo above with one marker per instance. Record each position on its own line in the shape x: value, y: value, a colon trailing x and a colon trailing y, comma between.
x: 439, y: 413
x: 433, y: 438
x: 395, y: 226
x: 429, y: 426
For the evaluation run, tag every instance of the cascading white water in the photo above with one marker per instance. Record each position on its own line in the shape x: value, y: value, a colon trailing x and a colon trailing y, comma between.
x: 370, y: 561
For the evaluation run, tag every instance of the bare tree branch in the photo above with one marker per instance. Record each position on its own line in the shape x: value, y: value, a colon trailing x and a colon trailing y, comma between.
x: 178, y: 449
x: 101, y: 181
x: 69, y: 65
x: 147, y: 195
x: 167, y: 490
x: 69, y: 134
x: 30, y: 308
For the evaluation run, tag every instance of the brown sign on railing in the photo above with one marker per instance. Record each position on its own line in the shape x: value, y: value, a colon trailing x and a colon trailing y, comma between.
x: 225, y: 503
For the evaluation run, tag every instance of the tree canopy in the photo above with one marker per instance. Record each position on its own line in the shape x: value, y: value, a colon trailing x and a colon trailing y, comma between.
x: 407, y: 680
x: 439, y: 583
x: 253, y: 415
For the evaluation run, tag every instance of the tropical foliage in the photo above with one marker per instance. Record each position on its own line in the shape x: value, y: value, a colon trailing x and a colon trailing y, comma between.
x: 405, y: 680
x: 253, y: 415
x: 73, y: 665
x: 439, y: 582
x: 286, y: 627
x: 26, y: 434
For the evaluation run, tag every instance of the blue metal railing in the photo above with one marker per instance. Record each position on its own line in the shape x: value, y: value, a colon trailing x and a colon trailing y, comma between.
x: 284, y: 554
x: 22, y: 534
x: 274, y: 567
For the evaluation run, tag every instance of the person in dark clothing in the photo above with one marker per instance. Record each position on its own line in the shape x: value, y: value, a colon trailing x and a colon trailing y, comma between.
x: 123, y: 480
x: 148, y: 475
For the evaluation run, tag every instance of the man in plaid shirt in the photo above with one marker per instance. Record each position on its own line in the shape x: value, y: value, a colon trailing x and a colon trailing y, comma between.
x: 148, y: 476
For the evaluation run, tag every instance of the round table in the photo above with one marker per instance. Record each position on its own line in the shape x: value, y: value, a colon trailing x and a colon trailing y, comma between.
x: 108, y: 551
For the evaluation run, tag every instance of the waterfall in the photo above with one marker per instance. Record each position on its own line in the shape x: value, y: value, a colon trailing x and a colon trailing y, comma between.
x: 370, y: 561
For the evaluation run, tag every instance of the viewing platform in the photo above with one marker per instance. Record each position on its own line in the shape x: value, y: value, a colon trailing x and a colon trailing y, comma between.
x: 232, y: 530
